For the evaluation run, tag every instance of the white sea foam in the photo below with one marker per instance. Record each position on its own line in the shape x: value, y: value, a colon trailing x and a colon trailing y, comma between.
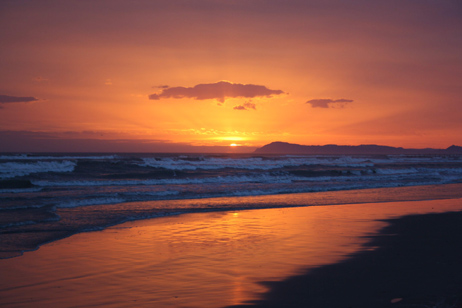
x: 255, y: 163
x: 13, y: 169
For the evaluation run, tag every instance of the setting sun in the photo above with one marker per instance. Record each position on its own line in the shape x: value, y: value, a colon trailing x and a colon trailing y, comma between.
x: 233, y: 145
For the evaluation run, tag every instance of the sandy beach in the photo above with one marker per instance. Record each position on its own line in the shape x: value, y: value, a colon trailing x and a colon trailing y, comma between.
x: 416, y: 263
x: 320, y: 256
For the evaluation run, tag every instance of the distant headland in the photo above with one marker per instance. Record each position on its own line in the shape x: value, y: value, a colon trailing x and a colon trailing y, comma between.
x: 333, y: 149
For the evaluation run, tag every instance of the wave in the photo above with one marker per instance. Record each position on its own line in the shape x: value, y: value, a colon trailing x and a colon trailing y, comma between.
x: 15, y: 169
x: 20, y: 190
x: 279, y: 178
x: 120, y: 198
x: 269, y: 163
x: 253, y: 163
x: 397, y: 171
x: 28, y: 222
x: 87, y: 202
x: 261, y: 178
x: 89, y: 180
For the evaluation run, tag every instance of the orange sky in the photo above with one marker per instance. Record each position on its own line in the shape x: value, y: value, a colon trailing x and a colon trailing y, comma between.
x: 78, y: 75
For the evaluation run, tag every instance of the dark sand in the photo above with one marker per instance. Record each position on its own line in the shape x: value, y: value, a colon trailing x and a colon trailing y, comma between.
x: 418, y: 263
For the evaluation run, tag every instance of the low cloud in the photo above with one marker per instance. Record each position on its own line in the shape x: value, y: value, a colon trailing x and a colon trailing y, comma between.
x: 329, y: 103
x: 246, y: 106
x: 4, y: 99
x: 29, y: 141
x: 219, y: 91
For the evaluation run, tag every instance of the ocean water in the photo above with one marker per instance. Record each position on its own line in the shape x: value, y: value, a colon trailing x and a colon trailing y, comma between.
x: 49, y: 196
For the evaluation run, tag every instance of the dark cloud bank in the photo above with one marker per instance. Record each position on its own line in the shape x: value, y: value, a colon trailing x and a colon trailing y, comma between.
x: 327, y: 103
x: 219, y: 91
x: 76, y: 142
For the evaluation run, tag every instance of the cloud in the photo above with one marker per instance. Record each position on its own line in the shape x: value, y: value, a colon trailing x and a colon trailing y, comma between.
x: 250, y: 105
x: 327, y: 103
x: 246, y: 106
x: 219, y: 91
x: 16, y: 99
x: 40, y: 79
x: 160, y: 87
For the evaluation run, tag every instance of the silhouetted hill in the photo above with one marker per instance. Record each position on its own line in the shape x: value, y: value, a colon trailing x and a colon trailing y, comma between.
x: 333, y: 149
x: 454, y: 149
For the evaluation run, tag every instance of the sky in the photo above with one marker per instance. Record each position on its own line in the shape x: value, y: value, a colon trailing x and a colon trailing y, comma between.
x: 200, y: 75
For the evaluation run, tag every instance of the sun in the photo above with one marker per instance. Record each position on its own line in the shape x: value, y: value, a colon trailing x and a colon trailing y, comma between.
x: 233, y: 145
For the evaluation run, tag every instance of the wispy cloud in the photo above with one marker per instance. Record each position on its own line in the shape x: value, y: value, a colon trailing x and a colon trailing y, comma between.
x: 219, y: 91
x: 17, y: 99
x: 162, y: 86
x: 328, y: 103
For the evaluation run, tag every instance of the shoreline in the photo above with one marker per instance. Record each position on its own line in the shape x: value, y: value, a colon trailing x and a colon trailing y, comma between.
x: 21, y: 239
x: 217, y: 259
x: 415, y: 263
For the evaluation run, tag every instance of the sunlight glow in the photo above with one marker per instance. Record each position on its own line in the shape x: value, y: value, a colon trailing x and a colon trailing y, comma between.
x: 231, y: 138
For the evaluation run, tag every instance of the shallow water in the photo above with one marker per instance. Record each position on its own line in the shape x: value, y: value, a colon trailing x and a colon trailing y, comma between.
x: 45, y: 197
x: 195, y: 260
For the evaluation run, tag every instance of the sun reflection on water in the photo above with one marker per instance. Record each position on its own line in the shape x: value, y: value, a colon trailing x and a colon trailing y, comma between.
x: 199, y: 260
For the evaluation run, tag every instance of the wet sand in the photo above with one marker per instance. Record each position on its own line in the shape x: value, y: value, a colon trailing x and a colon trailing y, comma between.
x: 51, y: 224
x: 417, y: 264
x: 323, y: 256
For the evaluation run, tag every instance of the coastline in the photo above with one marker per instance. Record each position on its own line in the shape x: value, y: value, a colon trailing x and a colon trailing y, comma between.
x: 416, y: 264
x: 57, y: 224
x: 217, y: 259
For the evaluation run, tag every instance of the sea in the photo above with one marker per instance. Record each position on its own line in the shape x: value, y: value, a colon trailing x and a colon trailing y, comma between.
x: 47, y: 196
